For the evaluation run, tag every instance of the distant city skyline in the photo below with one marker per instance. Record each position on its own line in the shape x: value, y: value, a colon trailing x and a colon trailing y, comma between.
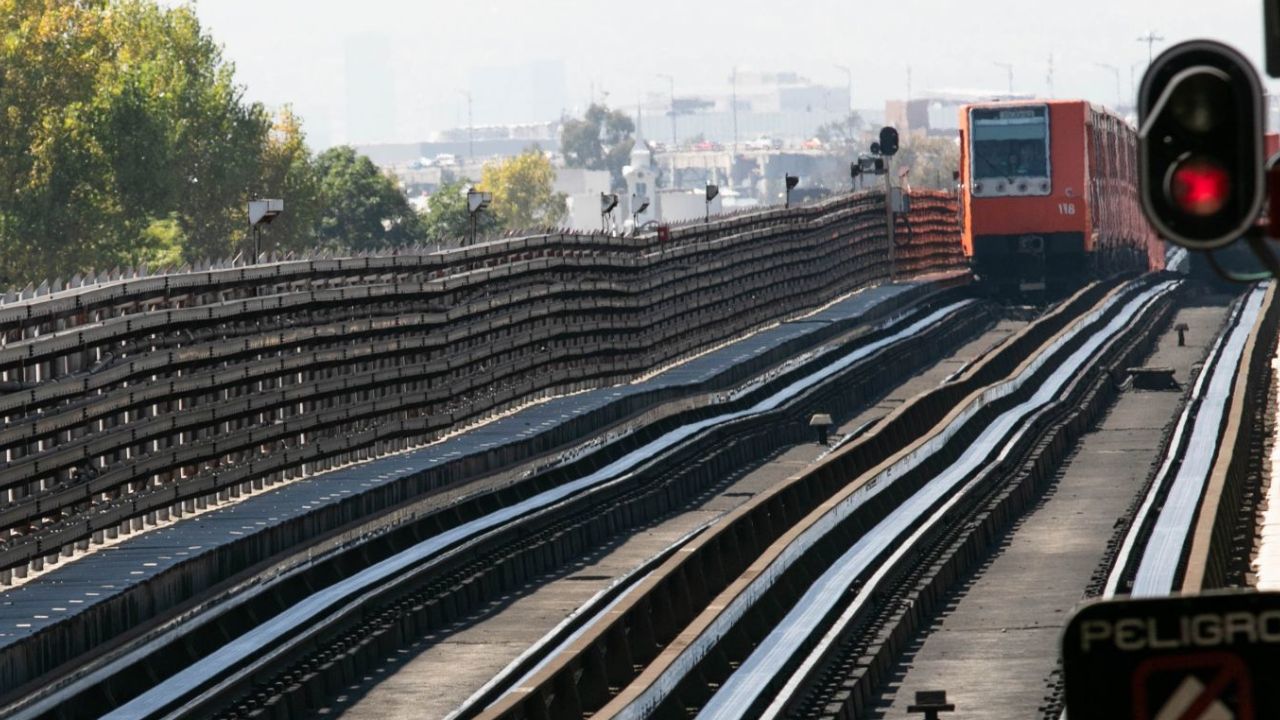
x: 394, y: 71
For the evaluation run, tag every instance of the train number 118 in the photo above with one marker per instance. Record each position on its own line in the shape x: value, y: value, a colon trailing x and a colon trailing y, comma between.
x: 1066, y: 208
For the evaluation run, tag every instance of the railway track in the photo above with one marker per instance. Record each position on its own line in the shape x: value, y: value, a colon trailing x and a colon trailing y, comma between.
x: 1153, y: 557
x: 753, y: 613
x: 283, y: 641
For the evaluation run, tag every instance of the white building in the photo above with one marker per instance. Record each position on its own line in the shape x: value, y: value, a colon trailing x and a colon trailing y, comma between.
x: 642, y: 185
x: 685, y: 205
x: 583, y: 188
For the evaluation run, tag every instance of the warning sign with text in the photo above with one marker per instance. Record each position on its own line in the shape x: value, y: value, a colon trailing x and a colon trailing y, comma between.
x: 1210, y: 657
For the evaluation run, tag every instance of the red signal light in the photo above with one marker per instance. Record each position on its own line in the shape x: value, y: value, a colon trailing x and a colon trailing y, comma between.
x: 1200, y: 187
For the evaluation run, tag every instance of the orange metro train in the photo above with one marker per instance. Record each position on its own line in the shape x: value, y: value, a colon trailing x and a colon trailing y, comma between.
x: 1050, y: 196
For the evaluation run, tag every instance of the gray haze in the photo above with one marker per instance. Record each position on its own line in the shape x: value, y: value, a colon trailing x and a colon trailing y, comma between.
x: 393, y: 70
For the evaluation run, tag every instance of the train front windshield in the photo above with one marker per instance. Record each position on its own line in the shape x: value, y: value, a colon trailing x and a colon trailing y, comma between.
x: 1010, y: 143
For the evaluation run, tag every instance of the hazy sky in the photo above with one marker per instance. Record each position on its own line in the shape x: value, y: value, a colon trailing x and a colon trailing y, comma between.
x: 424, y: 53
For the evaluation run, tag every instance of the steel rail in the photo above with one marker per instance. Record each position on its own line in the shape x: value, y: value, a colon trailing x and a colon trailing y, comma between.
x: 738, y: 694
x: 663, y: 609
x: 973, y: 477
x: 1188, y: 461
x: 1153, y: 548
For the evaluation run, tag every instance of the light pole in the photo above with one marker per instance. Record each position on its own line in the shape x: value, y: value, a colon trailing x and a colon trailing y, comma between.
x: 1009, y: 69
x: 671, y: 81
x: 477, y: 202
x: 733, y: 81
x: 608, y: 201
x: 262, y: 212
x: 638, y: 205
x: 849, y: 120
x: 471, y: 139
x: 1151, y: 38
x: 712, y: 191
x: 1114, y: 71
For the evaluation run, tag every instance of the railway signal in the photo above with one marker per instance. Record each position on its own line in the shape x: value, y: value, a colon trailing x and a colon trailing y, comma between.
x: 1200, y: 145
x: 888, y: 141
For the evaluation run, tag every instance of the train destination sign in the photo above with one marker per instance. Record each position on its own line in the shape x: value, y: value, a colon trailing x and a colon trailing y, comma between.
x: 1208, y: 657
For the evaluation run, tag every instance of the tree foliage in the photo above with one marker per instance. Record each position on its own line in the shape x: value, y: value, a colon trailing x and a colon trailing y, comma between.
x: 932, y: 160
x: 601, y: 140
x: 448, y: 220
x: 842, y: 133
x: 288, y: 171
x: 126, y: 141
x: 523, y: 193
x: 361, y: 208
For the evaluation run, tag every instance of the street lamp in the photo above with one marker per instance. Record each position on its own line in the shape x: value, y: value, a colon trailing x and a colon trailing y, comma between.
x: 262, y: 212
x: 639, y: 205
x: 476, y: 203
x: 608, y: 201
x: 791, y: 181
x: 471, y: 133
x: 712, y: 191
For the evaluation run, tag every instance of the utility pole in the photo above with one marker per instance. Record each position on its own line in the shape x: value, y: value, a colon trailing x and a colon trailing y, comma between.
x: 471, y: 134
x: 849, y: 119
x: 1115, y: 71
x: 1009, y: 69
x: 908, y: 82
x: 671, y: 81
x: 1049, y: 77
x: 1151, y: 38
x: 733, y: 81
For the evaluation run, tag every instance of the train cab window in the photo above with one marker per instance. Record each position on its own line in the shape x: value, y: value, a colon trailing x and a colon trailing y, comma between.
x: 1009, y: 153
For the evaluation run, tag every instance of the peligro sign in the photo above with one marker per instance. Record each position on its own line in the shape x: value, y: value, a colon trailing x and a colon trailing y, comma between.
x: 1209, y: 656
x: 1202, y: 630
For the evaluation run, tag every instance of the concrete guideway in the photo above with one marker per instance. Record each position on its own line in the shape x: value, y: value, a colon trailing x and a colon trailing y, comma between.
x: 996, y: 640
x: 1171, y: 543
x: 739, y: 694
x: 435, y: 682
x: 74, y: 589
x: 255, y: 642
x: 701, y: 568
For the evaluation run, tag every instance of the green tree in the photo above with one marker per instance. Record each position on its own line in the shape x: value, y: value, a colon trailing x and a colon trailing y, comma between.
x: 289, y: 171
x: 601, y: 140
x: 448, y: 218
x: 118, y: 115
x: 523, y: 194
x: 931, y: 159
x: 361, y: 208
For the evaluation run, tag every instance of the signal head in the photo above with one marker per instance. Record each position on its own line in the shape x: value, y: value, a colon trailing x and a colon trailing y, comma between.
x: 1200, y: 117
x: 888, y: 141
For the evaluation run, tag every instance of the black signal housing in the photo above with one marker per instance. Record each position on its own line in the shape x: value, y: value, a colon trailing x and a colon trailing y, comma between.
x: 1200, y: 145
